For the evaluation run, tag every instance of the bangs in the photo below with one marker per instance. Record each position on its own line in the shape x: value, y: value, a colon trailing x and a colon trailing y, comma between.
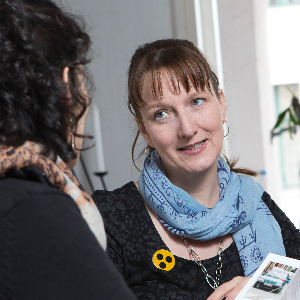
x: 185, y: 65
x: 184, y: 69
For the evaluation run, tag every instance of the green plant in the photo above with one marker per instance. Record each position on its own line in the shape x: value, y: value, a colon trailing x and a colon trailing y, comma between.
x: 294, y: 116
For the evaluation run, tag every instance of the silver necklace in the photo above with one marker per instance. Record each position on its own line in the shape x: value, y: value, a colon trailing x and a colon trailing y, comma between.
x: 213, y: 283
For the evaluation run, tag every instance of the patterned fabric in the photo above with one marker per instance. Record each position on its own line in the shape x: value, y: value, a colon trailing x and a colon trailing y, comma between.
x: 59, y: 175
x: 239, y: 211
x: 132, y: 239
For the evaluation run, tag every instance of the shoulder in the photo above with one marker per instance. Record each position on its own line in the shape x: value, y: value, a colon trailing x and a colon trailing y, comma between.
x: 35, y: 208
x: 290, y: 234
x: 126, y: 197
x: 122, y: 209
x: 15, y: 191
x: 125, y: 190
x: 278, y: 214
x: 43, y: 229
x: 268, y: 200
x: 35, y: 205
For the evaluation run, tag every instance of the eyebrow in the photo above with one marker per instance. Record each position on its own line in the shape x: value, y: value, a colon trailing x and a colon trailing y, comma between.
x: 191, y: 96
x: 154, y: 105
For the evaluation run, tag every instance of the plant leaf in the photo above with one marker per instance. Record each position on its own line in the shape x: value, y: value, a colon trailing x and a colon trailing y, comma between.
x: 292, y: 118
x: 290, y: 91
x: 296, y: 107
x: 280, y: 118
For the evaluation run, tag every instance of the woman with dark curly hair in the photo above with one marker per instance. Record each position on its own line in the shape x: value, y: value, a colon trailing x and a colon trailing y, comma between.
x: 52, y: 235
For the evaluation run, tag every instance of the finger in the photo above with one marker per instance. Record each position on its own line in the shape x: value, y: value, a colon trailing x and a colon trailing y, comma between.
x: 235, y: 291
x: 229, y: 289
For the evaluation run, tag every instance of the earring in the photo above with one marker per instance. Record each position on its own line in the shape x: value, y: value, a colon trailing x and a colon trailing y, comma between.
x: 72, y: 136
x: 227, y: 127
x: 145, y: 150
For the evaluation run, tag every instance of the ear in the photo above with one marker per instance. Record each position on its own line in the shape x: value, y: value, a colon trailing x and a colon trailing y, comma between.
x: 65, y: 75
x: 144, y: 132
x: 65, y: 79
x: 222, y: 102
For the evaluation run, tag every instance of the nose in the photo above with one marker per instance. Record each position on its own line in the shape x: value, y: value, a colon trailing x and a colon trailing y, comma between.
x: 187, y: 125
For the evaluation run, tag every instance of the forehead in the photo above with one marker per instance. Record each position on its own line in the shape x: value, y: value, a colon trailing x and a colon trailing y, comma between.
x: 158, y: 84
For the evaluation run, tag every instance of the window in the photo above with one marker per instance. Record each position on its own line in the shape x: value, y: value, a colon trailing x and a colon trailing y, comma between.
x: 289, y: 148
x: 283, y: 2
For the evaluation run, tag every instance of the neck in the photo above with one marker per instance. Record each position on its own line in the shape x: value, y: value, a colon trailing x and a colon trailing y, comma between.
x: 203, y: 187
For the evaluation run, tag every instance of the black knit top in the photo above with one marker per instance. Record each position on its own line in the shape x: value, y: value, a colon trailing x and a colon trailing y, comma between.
x: 47, y: 250
x: 133, y: 239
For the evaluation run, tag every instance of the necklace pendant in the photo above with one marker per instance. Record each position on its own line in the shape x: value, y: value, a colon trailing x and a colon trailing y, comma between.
x: 211, y: 282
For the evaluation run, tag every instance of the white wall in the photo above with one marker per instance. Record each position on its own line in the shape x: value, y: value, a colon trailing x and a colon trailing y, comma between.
x: 260, y: 48
x: 284, y: 41
x: 284, y: 56
x: 117, y: 28
x: 249, y: 96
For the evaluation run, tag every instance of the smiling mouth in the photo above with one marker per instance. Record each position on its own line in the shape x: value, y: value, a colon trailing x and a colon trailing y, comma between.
x: 192, y: 147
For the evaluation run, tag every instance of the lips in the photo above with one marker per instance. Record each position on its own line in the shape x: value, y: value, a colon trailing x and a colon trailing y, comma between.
x: 194, y: 146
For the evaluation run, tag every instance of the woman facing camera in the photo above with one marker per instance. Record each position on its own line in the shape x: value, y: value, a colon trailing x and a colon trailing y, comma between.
x: 51, y: 232
x: 193, y: 226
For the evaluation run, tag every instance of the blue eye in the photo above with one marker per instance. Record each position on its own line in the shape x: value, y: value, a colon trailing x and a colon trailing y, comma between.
x: 198, y: 101
x: 160, y: 114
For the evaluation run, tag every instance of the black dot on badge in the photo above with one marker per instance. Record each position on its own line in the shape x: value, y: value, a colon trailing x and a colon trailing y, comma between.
x: 163, y: 259
x: 159, y: 256
x: 168, y: 259
x: 162, y: 265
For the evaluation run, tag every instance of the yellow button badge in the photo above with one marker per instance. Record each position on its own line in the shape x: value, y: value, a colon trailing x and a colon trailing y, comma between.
x: 164, y: 260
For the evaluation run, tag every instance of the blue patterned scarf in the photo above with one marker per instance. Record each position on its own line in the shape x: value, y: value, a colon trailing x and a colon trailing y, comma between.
x: 239, y: 211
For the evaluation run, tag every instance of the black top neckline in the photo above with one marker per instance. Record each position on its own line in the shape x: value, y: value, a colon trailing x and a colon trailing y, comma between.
x: 131, y: 185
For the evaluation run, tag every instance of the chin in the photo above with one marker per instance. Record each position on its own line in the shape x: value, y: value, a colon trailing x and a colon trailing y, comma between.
x: 206, y: 165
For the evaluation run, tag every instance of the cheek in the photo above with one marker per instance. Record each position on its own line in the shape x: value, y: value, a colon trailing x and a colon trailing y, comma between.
x: 160, y: 139
x: 214, y: 121
x: 218, y: 133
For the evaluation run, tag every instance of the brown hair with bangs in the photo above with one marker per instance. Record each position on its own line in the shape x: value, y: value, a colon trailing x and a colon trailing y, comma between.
x: 184, y: 64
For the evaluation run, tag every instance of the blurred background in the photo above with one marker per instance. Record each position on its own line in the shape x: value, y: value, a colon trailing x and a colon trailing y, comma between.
x: 253, y: 46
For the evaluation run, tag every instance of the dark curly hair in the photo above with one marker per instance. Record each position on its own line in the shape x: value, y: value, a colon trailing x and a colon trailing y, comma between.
x: 37, y: 41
